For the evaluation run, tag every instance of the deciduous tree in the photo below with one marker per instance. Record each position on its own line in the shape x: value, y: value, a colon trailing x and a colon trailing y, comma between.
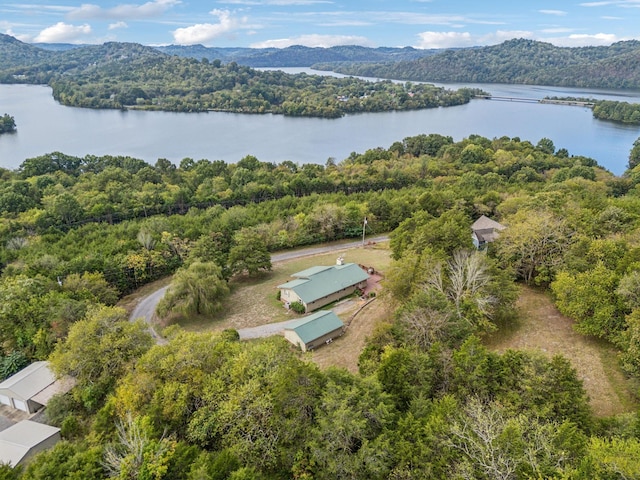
x: 249, y: 253
x: 197, y: 289
x: 533, y: 244
x: 98, y: 350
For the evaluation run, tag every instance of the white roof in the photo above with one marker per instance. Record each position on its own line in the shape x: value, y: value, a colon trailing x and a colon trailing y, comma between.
x: 28, y: 381
x: 19, y: 439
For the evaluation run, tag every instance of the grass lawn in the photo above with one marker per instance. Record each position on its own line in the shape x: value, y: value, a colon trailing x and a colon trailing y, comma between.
x: 541, y: 327
x: 253, y: 300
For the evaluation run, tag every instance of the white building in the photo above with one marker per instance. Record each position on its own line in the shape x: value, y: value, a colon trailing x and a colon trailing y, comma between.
x: 31, y: 388
x: 24, y: 439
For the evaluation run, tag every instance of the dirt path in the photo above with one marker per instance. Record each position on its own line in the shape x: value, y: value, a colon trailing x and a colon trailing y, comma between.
x: 543, y: 328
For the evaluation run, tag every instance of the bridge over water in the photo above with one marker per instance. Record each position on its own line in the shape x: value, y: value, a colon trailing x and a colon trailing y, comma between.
x: 575, y: 103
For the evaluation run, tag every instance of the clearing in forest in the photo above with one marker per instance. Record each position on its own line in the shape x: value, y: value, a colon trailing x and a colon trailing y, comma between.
x: 541, y: 327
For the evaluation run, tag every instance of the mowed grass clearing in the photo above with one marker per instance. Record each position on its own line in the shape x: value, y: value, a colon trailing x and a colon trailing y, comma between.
x: 542, y: 328
x: 253, y: 300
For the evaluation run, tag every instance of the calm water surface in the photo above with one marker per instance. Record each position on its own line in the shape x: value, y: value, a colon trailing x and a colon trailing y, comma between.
x: 45, y: 126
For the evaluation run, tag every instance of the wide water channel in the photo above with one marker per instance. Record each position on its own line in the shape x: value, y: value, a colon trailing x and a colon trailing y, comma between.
x: 45, y: 126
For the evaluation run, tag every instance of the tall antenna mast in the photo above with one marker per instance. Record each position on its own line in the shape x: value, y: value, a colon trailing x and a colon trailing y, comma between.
x: 364, y: 226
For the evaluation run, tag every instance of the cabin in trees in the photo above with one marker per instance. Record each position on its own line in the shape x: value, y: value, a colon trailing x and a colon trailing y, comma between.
x: 318, y: 286
x: 315, y: 330
x: 25, y: 439
x: 484, y: 231
x: 32, y: 387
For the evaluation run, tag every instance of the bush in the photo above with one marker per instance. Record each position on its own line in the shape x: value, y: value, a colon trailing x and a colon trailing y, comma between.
x: 372, y: 294
x: 297, y: 307
x: 230, y: 335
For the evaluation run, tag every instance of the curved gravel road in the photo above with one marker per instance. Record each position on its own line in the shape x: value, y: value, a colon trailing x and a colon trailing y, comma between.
x: 146, y: 308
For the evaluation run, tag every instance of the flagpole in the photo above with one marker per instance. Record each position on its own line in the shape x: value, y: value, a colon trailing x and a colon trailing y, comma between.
x: 364, y: 226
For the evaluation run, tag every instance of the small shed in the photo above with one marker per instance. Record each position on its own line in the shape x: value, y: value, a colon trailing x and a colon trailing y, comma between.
x: 314, y: 330
x: 318, y: 286
x: 24, y: 439
x: 31, y: 388
x: 485, y: 230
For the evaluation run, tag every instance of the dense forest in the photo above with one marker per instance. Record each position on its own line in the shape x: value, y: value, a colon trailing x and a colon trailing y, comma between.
x: 516, y: 61
x: 293, y: 56
x: 623, y: 112
x: 119, y: 75
x: 297, y: 55
x: 611, y: 110
x: 7, y: 124
x: 430, y: 399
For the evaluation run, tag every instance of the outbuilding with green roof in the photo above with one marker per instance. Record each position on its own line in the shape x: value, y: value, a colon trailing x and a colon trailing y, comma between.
x: 314, y: 330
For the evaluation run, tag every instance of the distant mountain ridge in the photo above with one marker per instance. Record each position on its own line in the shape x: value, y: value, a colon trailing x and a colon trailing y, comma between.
x: 294, y: 56
x: 298, y: 55
x: 516, y: 61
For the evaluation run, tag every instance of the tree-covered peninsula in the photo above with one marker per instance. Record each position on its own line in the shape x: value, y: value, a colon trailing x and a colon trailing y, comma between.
x: 119, y: 75
x: 518, y: 61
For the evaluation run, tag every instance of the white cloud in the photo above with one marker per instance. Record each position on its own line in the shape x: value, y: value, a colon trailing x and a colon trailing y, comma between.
x: 504, y: 35
x: 39, y: 8
x: 115, y: 26
x: 445, y: 40
x: 617, y: 3
x: 205, y: 32
x: 312, y: 40
x: 465, y: 39
x: 559, y: 13
x: 63, y: 32
x: 23, y: 38
x: 275, y: 2
x: 123, y: 12
x: 583, y: 40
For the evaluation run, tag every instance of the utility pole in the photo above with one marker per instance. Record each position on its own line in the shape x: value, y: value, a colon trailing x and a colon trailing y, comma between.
x: 364, y: 226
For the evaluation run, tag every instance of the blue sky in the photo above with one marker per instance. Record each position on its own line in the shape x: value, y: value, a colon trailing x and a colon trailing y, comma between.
x: 280, y: 23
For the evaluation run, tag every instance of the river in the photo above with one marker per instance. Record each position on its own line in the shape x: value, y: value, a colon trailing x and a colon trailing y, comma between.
x: 45, y: 126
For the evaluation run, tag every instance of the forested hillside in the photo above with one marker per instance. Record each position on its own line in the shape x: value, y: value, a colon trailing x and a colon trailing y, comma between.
x: 297, y: 55
x: 430, y: 400
x: 122, y: 75
x: 293, y: 56
x: 517, y: 61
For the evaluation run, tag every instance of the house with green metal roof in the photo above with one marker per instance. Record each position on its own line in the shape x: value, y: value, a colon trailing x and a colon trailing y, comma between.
x: 318, y: 286
x: 314, y: 330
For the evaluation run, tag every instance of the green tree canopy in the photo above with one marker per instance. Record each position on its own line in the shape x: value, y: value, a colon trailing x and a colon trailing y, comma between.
x: 98, y: 350
x: 249, y: 253
x: 197, y: 289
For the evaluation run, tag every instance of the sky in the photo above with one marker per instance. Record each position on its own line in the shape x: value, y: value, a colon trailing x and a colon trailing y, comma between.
x: 322, y: 23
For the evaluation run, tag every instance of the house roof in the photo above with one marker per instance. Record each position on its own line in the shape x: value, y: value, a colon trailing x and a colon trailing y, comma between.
x: 485, y: 223
x: 486, y: 235
x: 17, y: 441
x: 316, y: 325
x: 29, y: 381
x: 318, y: 282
